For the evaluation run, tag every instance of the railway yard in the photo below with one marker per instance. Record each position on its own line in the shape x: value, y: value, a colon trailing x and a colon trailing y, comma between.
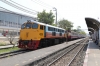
x: 70, y: 53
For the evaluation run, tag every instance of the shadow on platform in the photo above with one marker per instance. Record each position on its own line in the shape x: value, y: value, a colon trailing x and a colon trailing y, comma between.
x: 92, y: 45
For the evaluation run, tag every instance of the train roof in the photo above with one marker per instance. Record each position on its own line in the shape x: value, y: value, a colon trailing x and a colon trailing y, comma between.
x: 54, y: 27
x: 45, y: 24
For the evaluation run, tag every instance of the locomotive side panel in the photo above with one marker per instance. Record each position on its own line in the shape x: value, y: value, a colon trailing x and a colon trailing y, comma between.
x: 52, y: 32
x: 52, y: 36
x: 35, y: 35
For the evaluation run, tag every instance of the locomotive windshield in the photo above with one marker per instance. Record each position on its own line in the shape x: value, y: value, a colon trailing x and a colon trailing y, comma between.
x: 23, y: 26
x: 34, y: 26
x: 28, y: 25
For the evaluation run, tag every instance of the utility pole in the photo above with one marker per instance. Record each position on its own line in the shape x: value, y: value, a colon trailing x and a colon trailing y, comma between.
x: 55, y: 9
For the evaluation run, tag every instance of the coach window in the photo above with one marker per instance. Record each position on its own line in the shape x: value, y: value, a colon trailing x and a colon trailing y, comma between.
x: 54, y: 29
x: 34, y: 26
x: 62, y: 31
x: 58, y: 30
x: 41, y: 27
x: 51, y: 28
x: 48, y: 28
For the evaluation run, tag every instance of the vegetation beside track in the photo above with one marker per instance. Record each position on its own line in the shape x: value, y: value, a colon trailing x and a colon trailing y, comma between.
x: 8, y: 50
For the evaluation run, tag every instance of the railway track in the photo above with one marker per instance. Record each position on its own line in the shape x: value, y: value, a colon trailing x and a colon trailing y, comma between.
x: 4, y: 55
x: 68, y: 59
x: 63, y: 57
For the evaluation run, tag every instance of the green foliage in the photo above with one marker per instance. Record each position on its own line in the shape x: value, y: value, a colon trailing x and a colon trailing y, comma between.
x: 65, y: 24
x: 2, y: 44
x: 53, y: 24
x: 82, y: 32
x: 79, y: 30
x: 47, y: 18
x: 8, y: 50
x: 75, y: 30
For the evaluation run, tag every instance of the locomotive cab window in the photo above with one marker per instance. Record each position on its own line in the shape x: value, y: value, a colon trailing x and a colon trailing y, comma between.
x: 28, y: 25
x: 34, y: 26
x: 41, y: 27
x: 23, y: 26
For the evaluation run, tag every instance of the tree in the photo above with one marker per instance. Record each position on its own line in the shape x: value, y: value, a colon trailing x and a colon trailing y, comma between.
x: 82, y: 32
x: 75, y: 30
x: 10, y: 36
x: 47, y: 18
x: 53, y: 24
x: 65, y: 24
x: 79, y: 30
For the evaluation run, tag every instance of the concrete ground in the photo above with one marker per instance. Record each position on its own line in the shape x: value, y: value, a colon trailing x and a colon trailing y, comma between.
x: 92, y: 55
x: 5, y: 41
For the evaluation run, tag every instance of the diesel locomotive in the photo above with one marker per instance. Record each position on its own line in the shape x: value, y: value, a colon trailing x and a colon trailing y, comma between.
x: 35, y: 35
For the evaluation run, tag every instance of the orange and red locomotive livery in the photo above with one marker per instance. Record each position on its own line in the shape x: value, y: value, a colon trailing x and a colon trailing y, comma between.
x: 34, y: 35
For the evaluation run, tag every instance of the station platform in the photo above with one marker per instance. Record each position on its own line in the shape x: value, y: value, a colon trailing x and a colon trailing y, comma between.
x: 92, y: 57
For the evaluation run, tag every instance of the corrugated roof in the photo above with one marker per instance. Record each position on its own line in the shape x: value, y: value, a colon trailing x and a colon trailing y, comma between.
x: 92, y: 23
x: 17, y: 13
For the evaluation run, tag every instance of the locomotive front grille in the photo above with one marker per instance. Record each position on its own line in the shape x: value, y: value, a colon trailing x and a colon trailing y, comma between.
x: 25, y: 42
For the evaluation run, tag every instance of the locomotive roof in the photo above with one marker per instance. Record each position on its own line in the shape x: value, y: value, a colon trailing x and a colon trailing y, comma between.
x: 45, y: 24
x: 54, y: 27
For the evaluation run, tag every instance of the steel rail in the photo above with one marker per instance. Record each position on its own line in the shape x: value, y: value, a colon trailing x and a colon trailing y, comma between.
x: 4, y: 55
x: 64, y: 54
x: 75, y: 56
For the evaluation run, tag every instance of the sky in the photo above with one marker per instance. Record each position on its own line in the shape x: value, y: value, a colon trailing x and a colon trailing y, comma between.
x: 73, y: 10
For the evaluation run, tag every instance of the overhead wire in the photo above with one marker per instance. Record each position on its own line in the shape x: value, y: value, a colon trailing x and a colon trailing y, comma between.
x: 23, y: 6
x: 45, y: 5
x: 30, y: 11
x: 4, y: 9
x: 42, y: 4
x: 17, y: 7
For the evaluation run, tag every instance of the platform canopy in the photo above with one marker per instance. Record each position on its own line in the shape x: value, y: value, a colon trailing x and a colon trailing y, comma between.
x: 92, y: 24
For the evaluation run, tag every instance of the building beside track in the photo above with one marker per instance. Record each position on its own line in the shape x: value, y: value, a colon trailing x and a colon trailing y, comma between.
x: 12, y: 21
x: 94, y: 29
